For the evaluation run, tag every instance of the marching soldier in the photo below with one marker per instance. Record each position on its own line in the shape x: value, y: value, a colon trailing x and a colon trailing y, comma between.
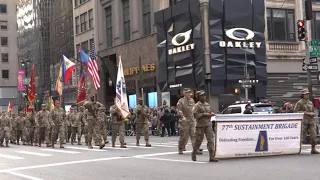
x: 142, y: 122
x: 186, y: 120
x: 19, y: 126
x: 75, y: 125
x: 33, y: 136
x: 5, y: 128
x: 68, y: 126
x: 304, y: 105
x: 58, y: 116
x: 84, y: 129
x: 202, y: 112
x: 103, y: 124
x: 43, y: 122
x: 91, y: 120
x: 117, y: 125
x: 13, y: 134
x: 26, y: 132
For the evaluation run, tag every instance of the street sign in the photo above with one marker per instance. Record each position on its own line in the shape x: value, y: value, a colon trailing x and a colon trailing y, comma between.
x: 311, y: 61
x: 249, y: 81
x: 314, y: 49
x: 311, y: 67
x: 246, y: 86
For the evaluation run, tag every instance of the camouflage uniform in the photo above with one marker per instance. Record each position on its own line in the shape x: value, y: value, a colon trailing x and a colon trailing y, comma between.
x: 309, y: 123
x: 75, y: 127
x: 68, y: 127
x: 91, y: 120
x: 202, y: 113
x: 34, y: 130
x: 84, y: 129
x: 117, y: 126
x: 103, y: 124
x: 186, y: 121
x: 141, y: 121
x: 58, y: 116
x: 5, y: 128
x: 43, y: 122
x: 13, y: 133
x: 19, y: 124
x: 26, y: 132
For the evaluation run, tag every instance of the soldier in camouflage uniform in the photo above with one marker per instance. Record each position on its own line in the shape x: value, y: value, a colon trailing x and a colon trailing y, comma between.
x: 68, y: 126
x: 19, y: 125
x: 58, y: 117
x: 186, y: 120
x: 84, y: 129
x: 103, y: 124
x: 13, y: 133
x: 202, y: 113
x: 309, y: 124
x: 5, y: 128
x: 91, y: 113
x: 76, y: 126
x: 33, y: 136
x: 142, y: 127
x: 117, y: 125
x: 44, y: 124
x: 27, y: 126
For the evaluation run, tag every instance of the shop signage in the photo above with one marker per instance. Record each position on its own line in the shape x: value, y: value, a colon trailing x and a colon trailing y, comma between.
x: 240, y: 42
x: 135, y: 70
x: 175, y: 85
x: 179, y: 42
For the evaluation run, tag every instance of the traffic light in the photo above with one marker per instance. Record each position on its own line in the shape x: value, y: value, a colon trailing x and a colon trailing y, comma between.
x: 308, y: 9
x: 301, y: 30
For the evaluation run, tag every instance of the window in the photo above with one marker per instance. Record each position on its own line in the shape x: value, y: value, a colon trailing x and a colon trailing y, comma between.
x: 4, y: 57
x: 4, y: 25
x: 4, y: 41
x: 79, y: 2
x: 3, y: 8
x: 77, y: 25
x: 85, y: 46
x: 83, y: 22
x: 108, y: 13
x: 5, y: 74
x: 174, y: 2
x: 90, y: 19
x: 281, y: 25
x: 146, y: 16
x: 315, y: 25
x: 126, y: 20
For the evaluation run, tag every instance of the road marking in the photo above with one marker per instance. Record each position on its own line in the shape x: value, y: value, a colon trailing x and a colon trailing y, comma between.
x: 23, y: 175
x: 60, y: 151
x: 61, y: 164
x: 158, y: 145
x: 159, y: 154
x: 86, y: 149
x: 172, y: 160
x: 10, y: 157
x: 117, y: 148
x: 140, y: 147
x: 33, y: 153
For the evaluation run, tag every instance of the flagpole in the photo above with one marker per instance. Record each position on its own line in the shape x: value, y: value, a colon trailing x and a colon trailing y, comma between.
x: 141, y: 78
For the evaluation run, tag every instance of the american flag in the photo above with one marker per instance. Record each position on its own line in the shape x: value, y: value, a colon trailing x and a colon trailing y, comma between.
x: 93, y: 67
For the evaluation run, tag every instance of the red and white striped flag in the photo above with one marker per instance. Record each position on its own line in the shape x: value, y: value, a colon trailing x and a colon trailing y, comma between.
x: 93, y: 67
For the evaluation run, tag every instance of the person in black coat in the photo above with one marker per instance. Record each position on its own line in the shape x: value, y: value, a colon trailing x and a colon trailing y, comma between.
x: 165, y: 119
x: 248, y: 109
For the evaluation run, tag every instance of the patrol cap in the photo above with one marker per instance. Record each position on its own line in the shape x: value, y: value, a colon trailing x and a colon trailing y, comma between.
x: 186, y: 90
x: 3, y: 111
x: 91, y: 95
x: 43, y: 105
x: 201, y: 93
x: 140, y: 99
x: 304, y: 91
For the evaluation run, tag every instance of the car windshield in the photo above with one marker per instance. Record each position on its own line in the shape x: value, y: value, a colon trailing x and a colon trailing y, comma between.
x: 262, y: 108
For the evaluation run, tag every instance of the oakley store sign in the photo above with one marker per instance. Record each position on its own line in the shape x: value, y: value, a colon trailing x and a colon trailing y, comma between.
x: 240, y: 42
x: 180, y: 42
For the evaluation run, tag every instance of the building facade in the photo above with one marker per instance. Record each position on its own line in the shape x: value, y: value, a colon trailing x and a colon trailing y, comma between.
x: 62, y: 43
x: 33, y: 18
x: 9, y: 50
x: 127, y: 28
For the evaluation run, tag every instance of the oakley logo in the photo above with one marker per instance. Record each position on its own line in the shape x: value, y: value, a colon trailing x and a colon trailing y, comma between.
x: 240, y: 42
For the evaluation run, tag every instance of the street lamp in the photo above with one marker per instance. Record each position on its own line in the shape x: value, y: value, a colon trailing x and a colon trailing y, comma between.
x: 26, y: 63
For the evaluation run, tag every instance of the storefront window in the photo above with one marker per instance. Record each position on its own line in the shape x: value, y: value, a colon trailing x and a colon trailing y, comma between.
x: 132, y: 101
x: 153, y: 100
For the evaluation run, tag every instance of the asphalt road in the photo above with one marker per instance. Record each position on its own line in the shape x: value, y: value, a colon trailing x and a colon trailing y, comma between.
x: 160, y: 162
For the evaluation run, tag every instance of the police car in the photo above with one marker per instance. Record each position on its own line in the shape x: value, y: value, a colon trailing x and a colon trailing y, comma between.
x: 240, y: 106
